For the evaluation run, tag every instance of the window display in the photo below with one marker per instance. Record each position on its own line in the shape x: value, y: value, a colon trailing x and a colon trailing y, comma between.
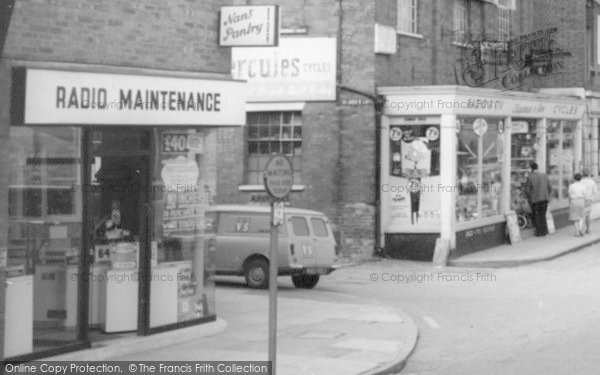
x: 560, y: 160
x: 44, y: 238
x: 479, y: 174
x: 182, y: 261
x: 525, y: 142
x: 414, y: 174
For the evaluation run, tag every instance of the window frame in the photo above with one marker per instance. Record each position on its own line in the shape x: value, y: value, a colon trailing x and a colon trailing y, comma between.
x: 460, y: 20
x: 505, y: 8
x: 259, y: 131
x: 407, y: 14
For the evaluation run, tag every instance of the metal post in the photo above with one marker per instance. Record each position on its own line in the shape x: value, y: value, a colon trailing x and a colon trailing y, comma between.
x: 273, y: 291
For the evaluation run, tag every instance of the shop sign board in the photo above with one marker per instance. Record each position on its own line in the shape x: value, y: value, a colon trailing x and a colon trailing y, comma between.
x: 471, y: 105
x: 278, y: 176
x: 256, y: 25
x: 50, y: 97
x: 299, y: 69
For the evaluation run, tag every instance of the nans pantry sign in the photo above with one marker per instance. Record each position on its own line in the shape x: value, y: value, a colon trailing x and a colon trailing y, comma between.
x: 249, y: 26
x: 63, y: 97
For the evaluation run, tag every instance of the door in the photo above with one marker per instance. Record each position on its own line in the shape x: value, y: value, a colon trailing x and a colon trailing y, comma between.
x: 303, y: 241
x: 116, y: 203
x: 324, y: 243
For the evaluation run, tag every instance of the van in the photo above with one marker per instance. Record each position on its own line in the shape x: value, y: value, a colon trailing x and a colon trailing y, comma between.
x: 306, y: 246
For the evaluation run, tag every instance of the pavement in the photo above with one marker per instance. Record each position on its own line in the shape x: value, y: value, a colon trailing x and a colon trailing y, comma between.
x: 315, y: 335
x: 530, y: 250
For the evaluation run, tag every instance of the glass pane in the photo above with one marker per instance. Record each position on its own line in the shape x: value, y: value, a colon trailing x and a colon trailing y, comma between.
x: 523, y: 152
x: 182, y: 233
x: 300, y: 226
x: 319, y: 227
x: 44, y: 239
x: 480, y: 148
x: 553, y: 157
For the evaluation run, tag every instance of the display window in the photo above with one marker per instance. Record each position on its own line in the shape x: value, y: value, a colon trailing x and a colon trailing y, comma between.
x: 183, y: 254
x: 479, y: 168
x: 44, y: 238
x: 414, y: 169
x: 560, y: 159
x: 525, y: 144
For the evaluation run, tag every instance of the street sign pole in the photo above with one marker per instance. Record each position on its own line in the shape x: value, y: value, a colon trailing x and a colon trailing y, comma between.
x: 278, y: 180
x: 273, y: 291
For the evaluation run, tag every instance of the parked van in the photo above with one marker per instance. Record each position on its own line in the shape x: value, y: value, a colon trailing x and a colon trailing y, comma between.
x: 307, y: 248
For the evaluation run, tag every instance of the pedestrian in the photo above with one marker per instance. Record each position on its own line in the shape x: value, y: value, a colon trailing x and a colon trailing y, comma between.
x: 592, y: 195
x: 577, y: 199
x: 538, y: 190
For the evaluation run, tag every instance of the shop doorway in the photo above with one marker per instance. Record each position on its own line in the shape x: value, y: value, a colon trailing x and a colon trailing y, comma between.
x: 117, y: 172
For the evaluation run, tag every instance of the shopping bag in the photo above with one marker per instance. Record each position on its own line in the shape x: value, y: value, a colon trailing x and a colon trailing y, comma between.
x: 550, y: 221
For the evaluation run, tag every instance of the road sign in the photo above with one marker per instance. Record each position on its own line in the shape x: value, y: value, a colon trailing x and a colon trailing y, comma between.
x: 278, y: 213
x: 278, y: 176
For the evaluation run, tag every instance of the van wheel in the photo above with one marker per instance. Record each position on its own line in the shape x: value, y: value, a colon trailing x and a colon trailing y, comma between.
x: 305, y: 281
x: 256, y: 272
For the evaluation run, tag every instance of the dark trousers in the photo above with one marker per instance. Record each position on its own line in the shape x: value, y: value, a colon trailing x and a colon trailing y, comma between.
x: 539, y: 217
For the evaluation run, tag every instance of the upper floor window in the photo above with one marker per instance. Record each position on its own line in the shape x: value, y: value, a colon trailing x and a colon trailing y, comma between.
x: 505, y: 8
x: 270, y: 132
x: 407, y: 16
x: 460, y: 20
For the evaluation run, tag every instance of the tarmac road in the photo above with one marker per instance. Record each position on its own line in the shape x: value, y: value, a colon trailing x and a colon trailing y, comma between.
x: 538, y: 319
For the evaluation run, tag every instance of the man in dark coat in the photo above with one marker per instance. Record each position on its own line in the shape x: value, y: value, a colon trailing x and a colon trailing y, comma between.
x: 538, y: 192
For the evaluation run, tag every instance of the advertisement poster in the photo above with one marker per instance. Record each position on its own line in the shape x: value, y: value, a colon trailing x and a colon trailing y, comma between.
x: 414, y: 184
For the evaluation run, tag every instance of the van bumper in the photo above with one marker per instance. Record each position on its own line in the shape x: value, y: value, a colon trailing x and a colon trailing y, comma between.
x: 311, y: 270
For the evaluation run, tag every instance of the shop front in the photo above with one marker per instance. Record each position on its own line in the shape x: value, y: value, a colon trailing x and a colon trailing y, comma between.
x: 110, y: 175
x: 454, y: 161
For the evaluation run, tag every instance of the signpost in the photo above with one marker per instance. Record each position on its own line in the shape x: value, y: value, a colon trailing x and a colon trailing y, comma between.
x: 278, y: 177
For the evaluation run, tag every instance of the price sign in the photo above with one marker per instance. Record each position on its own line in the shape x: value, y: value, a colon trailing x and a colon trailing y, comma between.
x: 174, y: 142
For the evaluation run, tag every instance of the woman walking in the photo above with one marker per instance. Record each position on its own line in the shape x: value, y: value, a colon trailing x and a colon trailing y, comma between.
x: 577, y: 198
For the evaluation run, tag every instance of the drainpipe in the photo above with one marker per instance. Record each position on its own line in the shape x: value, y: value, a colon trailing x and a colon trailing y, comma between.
x: 378, y: 103
x: 6, y: 10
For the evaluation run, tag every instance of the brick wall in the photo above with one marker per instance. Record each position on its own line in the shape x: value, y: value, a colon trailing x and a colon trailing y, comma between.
x: 338, y: 160
x: 569, y: 17
x: 174, y: 35
x: 435, y: 59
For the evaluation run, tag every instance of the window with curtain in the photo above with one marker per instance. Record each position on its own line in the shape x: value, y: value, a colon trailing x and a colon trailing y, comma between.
x: 407, y: 16
x: 273, y: 132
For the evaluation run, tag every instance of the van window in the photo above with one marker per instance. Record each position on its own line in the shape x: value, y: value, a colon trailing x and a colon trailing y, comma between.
x: 210, y: 222
x: 300, y: 226
x: 319, y: 227
x: 244, y: 223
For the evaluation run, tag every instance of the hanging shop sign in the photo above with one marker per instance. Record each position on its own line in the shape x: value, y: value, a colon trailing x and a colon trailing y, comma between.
x: 81, y: 98
x: 299, y: 69
x: 249, y: 25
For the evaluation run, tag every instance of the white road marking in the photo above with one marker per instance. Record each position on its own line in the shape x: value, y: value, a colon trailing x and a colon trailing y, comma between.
x: 432, y: 323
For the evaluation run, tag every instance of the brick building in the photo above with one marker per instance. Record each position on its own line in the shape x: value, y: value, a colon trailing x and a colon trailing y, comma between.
x: 410, y: 45
x: 105, y: 107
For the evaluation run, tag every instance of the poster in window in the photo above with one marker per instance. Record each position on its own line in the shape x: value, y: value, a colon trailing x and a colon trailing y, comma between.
x: 414, y: 176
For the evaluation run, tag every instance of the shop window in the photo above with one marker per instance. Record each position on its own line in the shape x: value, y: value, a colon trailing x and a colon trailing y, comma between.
x: 479, y: 174
x: 524, y: 145
x: 460, y: 20
x: 560, y: 161
x: 182, y: 231
x: 270, y: 132
x: 414, y: 168
x: 44, y: 238
x: 407, y: 16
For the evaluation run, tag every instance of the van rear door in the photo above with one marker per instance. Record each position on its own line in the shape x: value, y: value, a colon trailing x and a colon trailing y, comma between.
x: 302, y: 240
x: 324, y: 242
